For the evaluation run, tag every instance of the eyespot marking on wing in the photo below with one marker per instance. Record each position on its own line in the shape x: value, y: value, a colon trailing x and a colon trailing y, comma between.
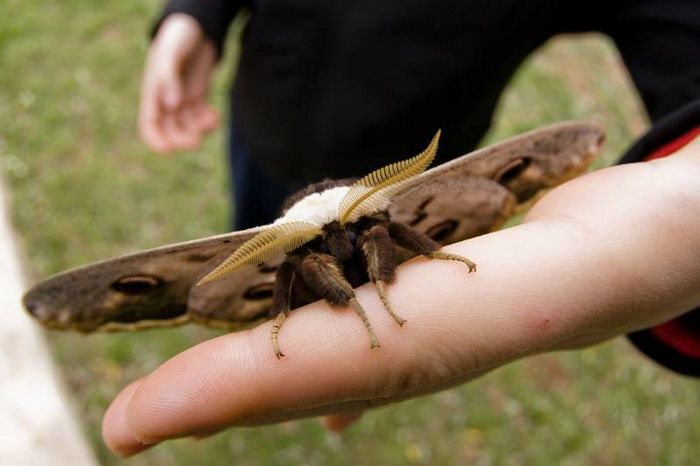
x: 136, y: 284
x: 511, y: 171
x: 442, y: 230
x: 259, y: 292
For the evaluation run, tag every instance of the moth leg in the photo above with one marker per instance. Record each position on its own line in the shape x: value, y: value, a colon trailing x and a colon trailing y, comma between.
x: 373, y: 341
x: 444, y: 255
x: 279, y: 320
x: 423, y: 244
x: 323, y: 275
x: 380, y: 257
x: 381, y: 290
x: 281, y: 302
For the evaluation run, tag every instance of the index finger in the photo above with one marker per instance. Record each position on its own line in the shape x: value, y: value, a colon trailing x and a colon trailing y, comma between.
x: 150, y: 118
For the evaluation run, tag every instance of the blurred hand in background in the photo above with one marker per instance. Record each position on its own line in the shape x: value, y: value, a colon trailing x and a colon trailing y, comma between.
x: 173, y: 112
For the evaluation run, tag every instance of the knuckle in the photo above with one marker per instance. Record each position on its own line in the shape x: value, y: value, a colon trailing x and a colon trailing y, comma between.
x: 434, y: 369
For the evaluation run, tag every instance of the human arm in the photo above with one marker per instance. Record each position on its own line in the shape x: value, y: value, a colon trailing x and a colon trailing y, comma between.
x: 608, y: 253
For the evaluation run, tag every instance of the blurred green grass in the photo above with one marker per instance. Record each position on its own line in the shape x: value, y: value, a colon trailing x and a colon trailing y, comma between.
x: 84, y: 188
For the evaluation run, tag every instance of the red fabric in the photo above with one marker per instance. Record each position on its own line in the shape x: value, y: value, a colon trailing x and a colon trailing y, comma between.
x: 683, y: 338
x: 674, y: 145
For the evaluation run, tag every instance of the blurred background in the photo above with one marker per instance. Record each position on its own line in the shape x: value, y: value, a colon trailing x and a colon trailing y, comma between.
x: 83, y: 188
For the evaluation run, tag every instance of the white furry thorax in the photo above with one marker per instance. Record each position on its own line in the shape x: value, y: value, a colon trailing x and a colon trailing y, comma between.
x: 318, y: 208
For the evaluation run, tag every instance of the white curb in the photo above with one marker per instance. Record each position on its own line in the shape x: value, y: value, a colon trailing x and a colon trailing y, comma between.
x: 36, y: 424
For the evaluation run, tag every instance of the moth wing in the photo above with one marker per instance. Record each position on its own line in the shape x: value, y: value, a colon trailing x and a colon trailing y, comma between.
x: 452, y: 209
x: 475, y: 193
x: 154, y: 288
x: 528, y: 163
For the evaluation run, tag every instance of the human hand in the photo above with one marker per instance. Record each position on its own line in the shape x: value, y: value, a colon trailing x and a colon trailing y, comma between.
x: 173, y: 112
x: 605, y: 254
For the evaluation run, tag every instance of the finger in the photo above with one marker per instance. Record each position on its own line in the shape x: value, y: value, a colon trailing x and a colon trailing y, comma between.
x: 236, y: 379
x: 340, y: 422
x: 198, y: 72
x: 175, y: 132
x: 189, y: 125
x: 197, y: 82
x: 153, y: 134
x: 171, y: 86
x: 151, y: 114
x: 206, y: 117
x: 120, y: 440
x: 161, y: 99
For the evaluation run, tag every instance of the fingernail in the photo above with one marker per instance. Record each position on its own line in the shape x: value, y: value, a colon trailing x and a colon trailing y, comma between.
x: 118, y: 435
x: 122, y: 440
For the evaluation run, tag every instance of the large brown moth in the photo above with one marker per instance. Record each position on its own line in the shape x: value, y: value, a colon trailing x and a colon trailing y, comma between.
x: 332, y: 236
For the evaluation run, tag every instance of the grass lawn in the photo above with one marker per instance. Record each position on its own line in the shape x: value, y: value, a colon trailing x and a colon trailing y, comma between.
x: 84, y: 188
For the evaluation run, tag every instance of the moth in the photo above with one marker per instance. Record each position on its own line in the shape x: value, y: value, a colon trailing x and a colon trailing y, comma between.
x: 333, y: 236
x: 336, y: 237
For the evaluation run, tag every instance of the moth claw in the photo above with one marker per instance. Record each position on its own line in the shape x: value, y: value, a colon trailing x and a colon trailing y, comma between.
x: 454, y: 257
x: 274, y: 334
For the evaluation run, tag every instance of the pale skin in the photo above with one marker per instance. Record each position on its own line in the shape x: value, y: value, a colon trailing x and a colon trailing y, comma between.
x: 611, y: 252
x: 605, y: 254
x: 173, y: 112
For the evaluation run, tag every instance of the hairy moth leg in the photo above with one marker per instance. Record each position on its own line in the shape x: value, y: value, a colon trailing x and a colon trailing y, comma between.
x: 323, y: 275
x: 380, y: 257
x: 423, y: 244
x: 453, y: 257
x: 281, y: 301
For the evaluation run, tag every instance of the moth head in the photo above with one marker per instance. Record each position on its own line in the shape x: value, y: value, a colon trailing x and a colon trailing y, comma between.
x: 342, y: 205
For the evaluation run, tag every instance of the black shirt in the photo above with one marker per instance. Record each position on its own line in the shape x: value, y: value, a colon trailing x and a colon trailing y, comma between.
x: 336, y: 87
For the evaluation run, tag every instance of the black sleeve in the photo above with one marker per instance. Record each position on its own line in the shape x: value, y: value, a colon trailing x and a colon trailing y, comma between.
x: 214, y: 16
x: 674, y: 344
x: 660, y: 44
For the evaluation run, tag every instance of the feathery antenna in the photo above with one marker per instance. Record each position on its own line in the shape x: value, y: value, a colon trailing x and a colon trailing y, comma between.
x: 265, y: 246
x: 375, y: 190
